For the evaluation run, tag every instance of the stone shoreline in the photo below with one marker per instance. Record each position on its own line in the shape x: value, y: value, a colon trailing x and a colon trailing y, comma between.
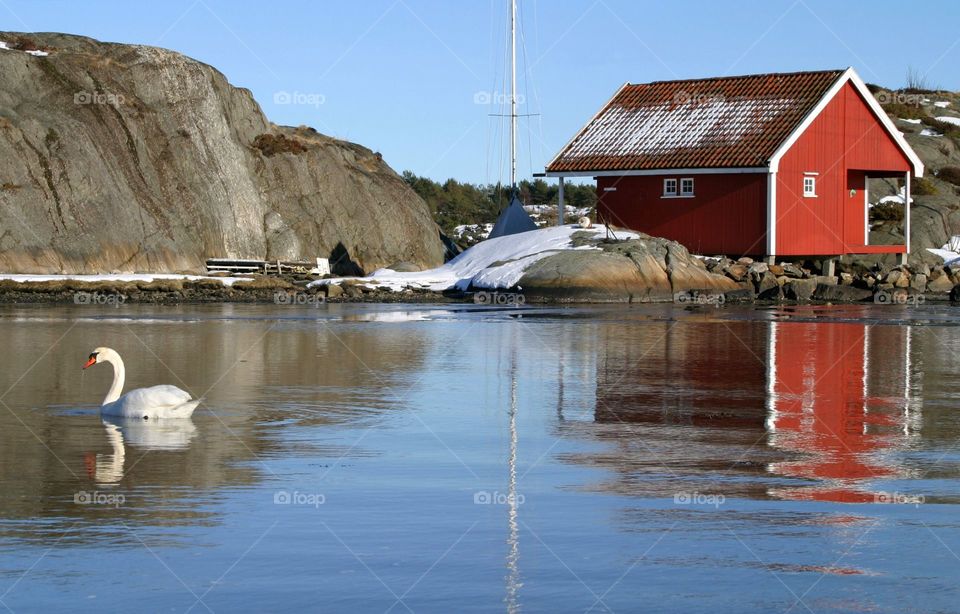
x: 853, y: 282
x: 757, y: 282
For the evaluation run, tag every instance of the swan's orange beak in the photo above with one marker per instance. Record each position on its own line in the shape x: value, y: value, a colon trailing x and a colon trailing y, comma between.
x: 91, y: 362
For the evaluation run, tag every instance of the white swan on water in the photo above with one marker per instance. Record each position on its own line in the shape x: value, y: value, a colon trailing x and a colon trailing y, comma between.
x: 143, y: 403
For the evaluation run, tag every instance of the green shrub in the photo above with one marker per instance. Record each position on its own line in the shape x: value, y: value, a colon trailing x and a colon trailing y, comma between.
x: 886, y: 212
x: 922, y: 187
x: 904, y: 111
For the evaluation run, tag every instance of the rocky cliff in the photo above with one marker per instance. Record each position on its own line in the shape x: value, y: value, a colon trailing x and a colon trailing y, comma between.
x: 930, y: 123
x: 134, y: 158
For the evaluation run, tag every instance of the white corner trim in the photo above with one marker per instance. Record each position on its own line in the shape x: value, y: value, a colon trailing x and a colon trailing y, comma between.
x: 907, y: 201
x: 851, y: 76
x: 585, y: 126
x: 866, y: 210
x: 772, y: 213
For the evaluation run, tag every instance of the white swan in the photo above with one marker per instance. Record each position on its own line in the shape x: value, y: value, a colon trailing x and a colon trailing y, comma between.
x: 142, y: 403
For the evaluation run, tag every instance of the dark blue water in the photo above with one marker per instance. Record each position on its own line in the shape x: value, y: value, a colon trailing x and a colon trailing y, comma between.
x: 438, y: 459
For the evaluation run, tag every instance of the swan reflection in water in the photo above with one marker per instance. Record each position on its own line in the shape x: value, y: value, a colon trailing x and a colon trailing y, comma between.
x: 144, y: 435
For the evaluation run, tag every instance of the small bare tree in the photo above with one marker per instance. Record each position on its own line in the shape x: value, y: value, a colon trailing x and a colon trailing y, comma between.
x: 916, y: 80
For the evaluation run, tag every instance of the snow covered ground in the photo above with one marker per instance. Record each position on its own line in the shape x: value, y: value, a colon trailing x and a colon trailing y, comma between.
x: 568, y: 210
x: 897, y: 198
x: 950, y: 252
x: 481, y: 230
x: 512, y: 255
x: 34, y: 52
x: 949, y: 120
x: 228, y: 281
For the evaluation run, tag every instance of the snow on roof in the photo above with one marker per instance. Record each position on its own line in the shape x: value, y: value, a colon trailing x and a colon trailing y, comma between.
x: 720, y: 122
x: 512, y: 254
x: 664, y: 128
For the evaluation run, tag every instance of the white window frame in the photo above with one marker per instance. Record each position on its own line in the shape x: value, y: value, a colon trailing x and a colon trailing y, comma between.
x: 670, y: 193
x: 812, y: 191
x: 689, y: 194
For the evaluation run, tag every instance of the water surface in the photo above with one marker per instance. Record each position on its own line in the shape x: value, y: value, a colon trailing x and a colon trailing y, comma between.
x: 380, y: 458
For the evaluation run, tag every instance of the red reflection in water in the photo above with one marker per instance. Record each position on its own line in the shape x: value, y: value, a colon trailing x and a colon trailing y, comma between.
x: 827, y: 401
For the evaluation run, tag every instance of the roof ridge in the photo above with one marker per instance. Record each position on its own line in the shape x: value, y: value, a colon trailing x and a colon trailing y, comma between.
x: 837, y: 71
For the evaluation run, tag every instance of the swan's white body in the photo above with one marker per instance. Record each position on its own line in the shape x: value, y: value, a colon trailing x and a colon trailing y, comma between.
x: 143, y: 403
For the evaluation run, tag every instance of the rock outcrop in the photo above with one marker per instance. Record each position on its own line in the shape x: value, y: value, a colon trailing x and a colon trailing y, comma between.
x: 935, y: 214
x: 134, y: 158
x: 639, y: 270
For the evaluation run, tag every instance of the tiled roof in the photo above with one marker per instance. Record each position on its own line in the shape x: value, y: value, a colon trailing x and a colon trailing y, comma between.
x: 725, y: 122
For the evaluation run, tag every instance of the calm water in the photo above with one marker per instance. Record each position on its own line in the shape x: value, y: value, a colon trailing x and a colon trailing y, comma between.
x: 457, y: 459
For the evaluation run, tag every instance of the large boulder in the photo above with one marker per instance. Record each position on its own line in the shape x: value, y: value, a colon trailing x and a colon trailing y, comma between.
x: 127, y: 157
x: 799, y: 289
x: 639, y: 270
x: 835, y: 293
x: 595, y: 276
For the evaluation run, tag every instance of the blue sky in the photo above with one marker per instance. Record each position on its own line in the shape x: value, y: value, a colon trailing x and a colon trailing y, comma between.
x: 411, y: 78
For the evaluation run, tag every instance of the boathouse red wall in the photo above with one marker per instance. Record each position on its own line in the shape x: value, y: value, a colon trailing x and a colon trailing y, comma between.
x: 843, y: 144
x: 726, y: 214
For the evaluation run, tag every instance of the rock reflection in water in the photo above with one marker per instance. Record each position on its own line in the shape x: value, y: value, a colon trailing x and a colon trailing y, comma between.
x: 255, y: 373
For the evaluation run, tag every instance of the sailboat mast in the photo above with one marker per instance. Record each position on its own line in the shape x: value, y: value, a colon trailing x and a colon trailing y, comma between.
x: 513, y: 94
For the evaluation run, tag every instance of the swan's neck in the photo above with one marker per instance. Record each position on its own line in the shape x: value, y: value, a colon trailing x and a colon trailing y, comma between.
x: 118, y: 375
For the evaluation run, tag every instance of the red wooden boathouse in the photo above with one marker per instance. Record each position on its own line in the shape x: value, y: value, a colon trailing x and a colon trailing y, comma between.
x: 762, y: 165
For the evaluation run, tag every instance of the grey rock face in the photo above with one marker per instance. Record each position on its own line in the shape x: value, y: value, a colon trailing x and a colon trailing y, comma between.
x: 133, y: 158
x: 640, y: 270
